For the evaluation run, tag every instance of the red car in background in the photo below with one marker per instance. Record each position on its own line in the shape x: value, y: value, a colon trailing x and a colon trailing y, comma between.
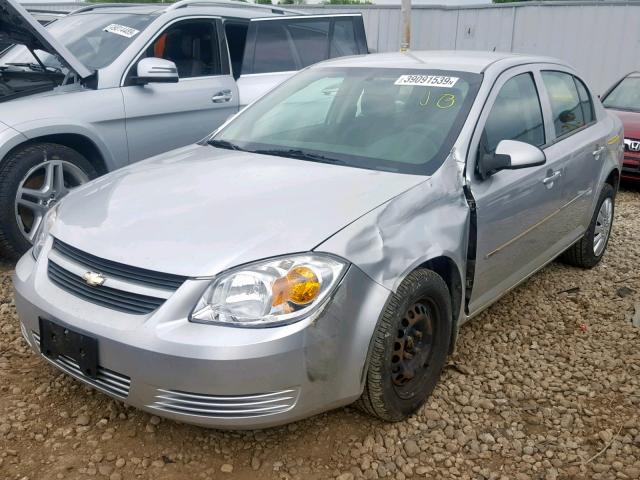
x: 623, y: 99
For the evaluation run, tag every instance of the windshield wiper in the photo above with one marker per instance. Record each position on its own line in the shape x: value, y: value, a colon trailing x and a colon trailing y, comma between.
x: 36, y: 67
x: 223, y: 144
x: 299, y: 154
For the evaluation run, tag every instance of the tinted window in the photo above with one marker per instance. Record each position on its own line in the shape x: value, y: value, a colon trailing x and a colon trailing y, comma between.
x: 516, y: 115
x: 585, y: 101
x: 273, y: 51
x: 236, y: 39
x: 361, y: 117
x: 625, y: 96
x: 192, y: 45
x: 343, y: 41
x: 565, y: 102
x: 311, y: 39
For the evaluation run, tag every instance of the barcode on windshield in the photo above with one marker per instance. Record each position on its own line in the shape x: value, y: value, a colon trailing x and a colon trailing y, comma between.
x: 427, y: 80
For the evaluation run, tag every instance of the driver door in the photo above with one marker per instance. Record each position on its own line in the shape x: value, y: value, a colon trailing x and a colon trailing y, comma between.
x: 516, y: 209
x: 164, y: 116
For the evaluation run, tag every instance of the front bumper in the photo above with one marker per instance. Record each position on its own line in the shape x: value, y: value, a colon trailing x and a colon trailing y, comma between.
x: 209, y: 375
x: 631, y: 166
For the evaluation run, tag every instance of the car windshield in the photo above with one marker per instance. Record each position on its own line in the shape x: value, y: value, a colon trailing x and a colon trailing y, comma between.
x: 96, y: 39
x: 378, y: 118
x: 625, y: 96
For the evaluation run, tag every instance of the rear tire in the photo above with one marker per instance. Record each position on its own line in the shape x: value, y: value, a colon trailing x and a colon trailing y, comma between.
x: 589, y: 250
x: 26, y: 169
x: 409, y: 347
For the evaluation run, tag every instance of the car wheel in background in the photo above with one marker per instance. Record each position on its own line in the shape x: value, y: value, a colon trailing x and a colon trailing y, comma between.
x: 588, y: 251
x: 33, y: 178
x: 409, y: 347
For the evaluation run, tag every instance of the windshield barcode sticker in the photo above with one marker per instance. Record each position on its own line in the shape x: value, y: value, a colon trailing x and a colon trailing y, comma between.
x: 427, y: 80
x: 121, y: 30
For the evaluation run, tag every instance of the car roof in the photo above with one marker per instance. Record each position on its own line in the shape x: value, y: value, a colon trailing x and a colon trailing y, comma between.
x: 220, y: 8
x: 458, y: 60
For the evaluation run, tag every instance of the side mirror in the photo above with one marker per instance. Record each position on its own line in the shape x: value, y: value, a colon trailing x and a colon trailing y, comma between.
x: 510, y: 155
x: 156, y: 70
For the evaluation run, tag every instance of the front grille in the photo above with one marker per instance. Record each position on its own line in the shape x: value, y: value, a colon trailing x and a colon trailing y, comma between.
x: 107, y: 381
x: 120, y: 300
x: 225, y: 406
x: 125, y: 272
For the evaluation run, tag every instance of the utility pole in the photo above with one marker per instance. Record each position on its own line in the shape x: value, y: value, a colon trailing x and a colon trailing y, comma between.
x: 405, y: 13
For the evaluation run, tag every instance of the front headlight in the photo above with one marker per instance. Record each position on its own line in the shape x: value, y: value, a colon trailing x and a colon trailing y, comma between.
x: 47, y: 222
x: 271, y: 292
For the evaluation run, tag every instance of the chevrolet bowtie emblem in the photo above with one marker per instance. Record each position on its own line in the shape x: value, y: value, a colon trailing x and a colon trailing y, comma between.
x: 94, y: 279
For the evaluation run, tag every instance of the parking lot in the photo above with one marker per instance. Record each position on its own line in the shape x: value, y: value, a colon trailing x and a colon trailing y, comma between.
x: 544, y: 385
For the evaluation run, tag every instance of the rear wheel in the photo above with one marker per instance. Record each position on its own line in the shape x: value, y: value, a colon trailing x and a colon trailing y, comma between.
x: 32, y: 180
x: 410, y: 347
x: 589, y: 250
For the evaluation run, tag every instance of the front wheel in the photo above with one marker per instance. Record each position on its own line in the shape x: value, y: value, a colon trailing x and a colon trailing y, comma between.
x: 409, y: 347
x: 33, y: 179
x: 589, y: 250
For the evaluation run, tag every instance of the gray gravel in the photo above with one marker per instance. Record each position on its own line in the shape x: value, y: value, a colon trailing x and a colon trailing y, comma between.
x: 544, y: 385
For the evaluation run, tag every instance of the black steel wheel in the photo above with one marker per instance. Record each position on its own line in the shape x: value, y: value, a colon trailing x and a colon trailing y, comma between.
x: 409, y: 347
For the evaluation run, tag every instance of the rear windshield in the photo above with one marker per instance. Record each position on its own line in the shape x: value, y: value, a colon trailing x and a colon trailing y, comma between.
x: 96, y: 39
x: 626, y: 95
x: 396, y: 120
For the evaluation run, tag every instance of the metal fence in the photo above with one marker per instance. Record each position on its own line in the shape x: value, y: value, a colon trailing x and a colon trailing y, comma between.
x: 601, y: 39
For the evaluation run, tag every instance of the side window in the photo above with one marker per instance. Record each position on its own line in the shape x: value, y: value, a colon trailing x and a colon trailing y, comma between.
x: 565, y: 102
x: 585, y: 101
x: 273, y: 52
x: 192, y: 45
x: 311, y: 39
x: 515, y: 115
x: 236, y: 34
x: 343, y: 41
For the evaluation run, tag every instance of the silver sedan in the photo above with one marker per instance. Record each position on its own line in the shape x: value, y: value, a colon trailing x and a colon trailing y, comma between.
x: 326, y: 244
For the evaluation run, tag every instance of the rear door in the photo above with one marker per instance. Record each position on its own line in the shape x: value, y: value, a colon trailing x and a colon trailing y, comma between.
x: 278, y: 47
x: 516, y: 209
x: 163, y: 116
x: 580, y: 143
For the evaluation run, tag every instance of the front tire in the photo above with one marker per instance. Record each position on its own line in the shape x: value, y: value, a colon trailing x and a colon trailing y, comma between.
x: 589, y: 250
x: 33, y: 178
x: 409, y: 347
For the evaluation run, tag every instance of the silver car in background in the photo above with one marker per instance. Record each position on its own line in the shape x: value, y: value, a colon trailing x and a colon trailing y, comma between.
x: 109, y: 85
x: 325, y: 245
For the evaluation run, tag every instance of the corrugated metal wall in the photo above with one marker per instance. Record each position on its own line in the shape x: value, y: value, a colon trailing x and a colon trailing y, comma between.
x: 600, y: 39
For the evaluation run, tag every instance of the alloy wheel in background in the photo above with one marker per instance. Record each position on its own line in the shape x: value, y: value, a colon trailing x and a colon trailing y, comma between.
x: 42, y: 187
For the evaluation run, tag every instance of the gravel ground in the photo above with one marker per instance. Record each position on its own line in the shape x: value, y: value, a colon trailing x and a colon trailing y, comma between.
x: 544, y: 385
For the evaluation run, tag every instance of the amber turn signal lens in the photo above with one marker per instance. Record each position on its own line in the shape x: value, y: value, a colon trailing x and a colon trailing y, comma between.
x: 300, y: 286
x: 304, y: 285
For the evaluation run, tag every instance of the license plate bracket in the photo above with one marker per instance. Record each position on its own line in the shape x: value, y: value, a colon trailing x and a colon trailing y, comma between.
x: 57, y: 341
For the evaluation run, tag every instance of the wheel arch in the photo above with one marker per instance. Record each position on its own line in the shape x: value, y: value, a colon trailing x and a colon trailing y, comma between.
x: 447, y: 268
x: 613, y: 179
x: 78, y: 142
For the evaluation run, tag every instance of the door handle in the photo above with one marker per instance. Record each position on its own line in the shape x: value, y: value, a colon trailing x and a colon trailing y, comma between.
x: 222, y: 96
x: 548, y: 181
x: 598, y: 151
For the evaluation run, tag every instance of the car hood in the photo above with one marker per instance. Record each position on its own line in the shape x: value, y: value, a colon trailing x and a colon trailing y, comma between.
x: 630, y: 122
x: 199, y: 210
x: 18, y: 26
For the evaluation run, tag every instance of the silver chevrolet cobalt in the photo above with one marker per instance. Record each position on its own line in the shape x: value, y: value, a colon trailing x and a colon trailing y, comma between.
x: 325, y: 245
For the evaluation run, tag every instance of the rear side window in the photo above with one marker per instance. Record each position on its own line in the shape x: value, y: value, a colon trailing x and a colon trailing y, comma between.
x: 585, y: 101
x: 273, y: 48
x: 344, y: 40
x: 515, y: 115
x: 311, y: 40
x: 287, y: 45
x: 566, y: 105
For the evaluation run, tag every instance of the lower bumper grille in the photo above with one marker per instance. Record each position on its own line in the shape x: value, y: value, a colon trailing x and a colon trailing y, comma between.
x: 107, y: 381
x: 225, y: 406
